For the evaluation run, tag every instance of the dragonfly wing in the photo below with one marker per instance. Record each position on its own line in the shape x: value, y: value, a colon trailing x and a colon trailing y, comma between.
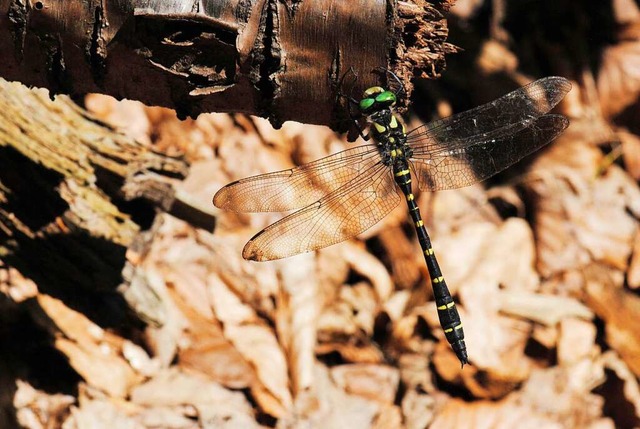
x: 518, y: 107
x: 476, y: 160
x: 343, y: 214
x: 296, y: 187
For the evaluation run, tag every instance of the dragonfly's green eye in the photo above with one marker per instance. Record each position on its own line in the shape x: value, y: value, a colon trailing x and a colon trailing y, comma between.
x: 366, y: 103
x: 387, y: 97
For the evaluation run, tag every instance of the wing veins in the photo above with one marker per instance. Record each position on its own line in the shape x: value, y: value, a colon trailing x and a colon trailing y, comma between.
x: 485, y: 157
x: 297, y: 187
x: 524, y: 104
x: 264, y: 246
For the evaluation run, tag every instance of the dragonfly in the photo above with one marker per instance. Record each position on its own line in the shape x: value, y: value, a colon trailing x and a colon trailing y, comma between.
x: 342, y: 195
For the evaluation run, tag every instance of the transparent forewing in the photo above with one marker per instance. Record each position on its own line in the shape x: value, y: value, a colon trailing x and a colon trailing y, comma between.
x: 514, y: 109
x: 347, y: 212
x: 296, y: 187
x: 477, y: 159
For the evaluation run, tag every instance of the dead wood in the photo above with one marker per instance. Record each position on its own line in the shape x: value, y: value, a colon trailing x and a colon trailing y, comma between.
x: 74, y: 194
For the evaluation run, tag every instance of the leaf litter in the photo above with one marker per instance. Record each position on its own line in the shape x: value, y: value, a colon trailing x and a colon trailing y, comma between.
x: 544, y: 262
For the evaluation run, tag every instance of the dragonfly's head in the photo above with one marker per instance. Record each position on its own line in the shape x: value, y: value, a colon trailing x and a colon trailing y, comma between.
x: 376, y: 98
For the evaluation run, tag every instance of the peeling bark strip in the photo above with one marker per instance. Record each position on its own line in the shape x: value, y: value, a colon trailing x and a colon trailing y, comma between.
x: 97, y: 49
x: 270, y: 58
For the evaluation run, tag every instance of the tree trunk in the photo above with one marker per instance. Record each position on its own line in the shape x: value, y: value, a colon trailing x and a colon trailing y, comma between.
x: 276, y: 59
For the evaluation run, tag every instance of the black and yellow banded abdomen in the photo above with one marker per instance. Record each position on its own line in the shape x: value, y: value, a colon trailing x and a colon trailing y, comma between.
x: 447, y: 311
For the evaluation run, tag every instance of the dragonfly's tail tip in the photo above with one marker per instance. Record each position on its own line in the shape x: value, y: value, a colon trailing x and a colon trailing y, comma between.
x: 464, y: 360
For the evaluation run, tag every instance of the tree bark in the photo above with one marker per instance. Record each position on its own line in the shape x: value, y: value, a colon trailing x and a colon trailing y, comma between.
x: 276, y: 59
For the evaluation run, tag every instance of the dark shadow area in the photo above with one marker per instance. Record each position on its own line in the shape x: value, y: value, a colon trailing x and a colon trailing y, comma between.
x: 545, y: 357
x: 30, y: 190
x: 564, y: 31
x: 616, y: 406
x: 27, y: 353
x: 80, y: 269
x: 141, y: 212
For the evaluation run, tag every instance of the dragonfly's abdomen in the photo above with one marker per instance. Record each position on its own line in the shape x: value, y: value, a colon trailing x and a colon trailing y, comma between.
x: 447, y: 311
x: 390, y: 134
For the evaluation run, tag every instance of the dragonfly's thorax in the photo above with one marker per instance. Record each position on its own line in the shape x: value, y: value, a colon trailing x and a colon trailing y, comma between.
x: 389, y: 133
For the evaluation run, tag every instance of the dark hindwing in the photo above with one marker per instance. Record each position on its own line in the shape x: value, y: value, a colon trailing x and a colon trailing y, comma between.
x: 450, y: 169
x: 471, y: 146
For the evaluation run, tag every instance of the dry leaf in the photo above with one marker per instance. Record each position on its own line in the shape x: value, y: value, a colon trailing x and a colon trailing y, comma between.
x: 174, y: 388
x: 206, y: 350
x: 631, y: 153
x: 401, y: 256
x: 619, y: 77
x: 630, y: 391
x: 361, y: 353
x: 255, y: 342
x: 564, y: 393
x: 466, y: 9
x: 36, y: 409
x: 546, y: 309
x: 351, y: 314
x: 365, y: 264
x: 15, y: 285
x: 418, y: 410
x: 100, y: 415
x: 296, y: 318
x: 127, y: 116
x: 625, y: 11
x: 94, y: 353
x: 580, y: 219
x: 619, y: 310
x: 577, y: 341
x: 374, y: 382
x: 495, y: 57
x: 547, y: 337
x: 329, y: 407
x: 633, y: 274
x: 490, y: 415
x: 390, y: 417
x: 331, y: 272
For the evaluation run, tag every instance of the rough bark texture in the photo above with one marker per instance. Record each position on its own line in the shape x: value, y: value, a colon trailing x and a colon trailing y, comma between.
x: 275, y: 59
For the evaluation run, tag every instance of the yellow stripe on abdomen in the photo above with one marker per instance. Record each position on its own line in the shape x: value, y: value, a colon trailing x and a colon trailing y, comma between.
x: 446, y: 306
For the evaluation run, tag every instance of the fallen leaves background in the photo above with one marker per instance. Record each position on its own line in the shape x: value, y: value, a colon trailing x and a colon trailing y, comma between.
x: 544, y: 262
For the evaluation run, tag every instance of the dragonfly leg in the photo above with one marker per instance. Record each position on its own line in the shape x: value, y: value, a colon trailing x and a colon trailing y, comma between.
x: 351, y: 101
x: 396, y: 78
